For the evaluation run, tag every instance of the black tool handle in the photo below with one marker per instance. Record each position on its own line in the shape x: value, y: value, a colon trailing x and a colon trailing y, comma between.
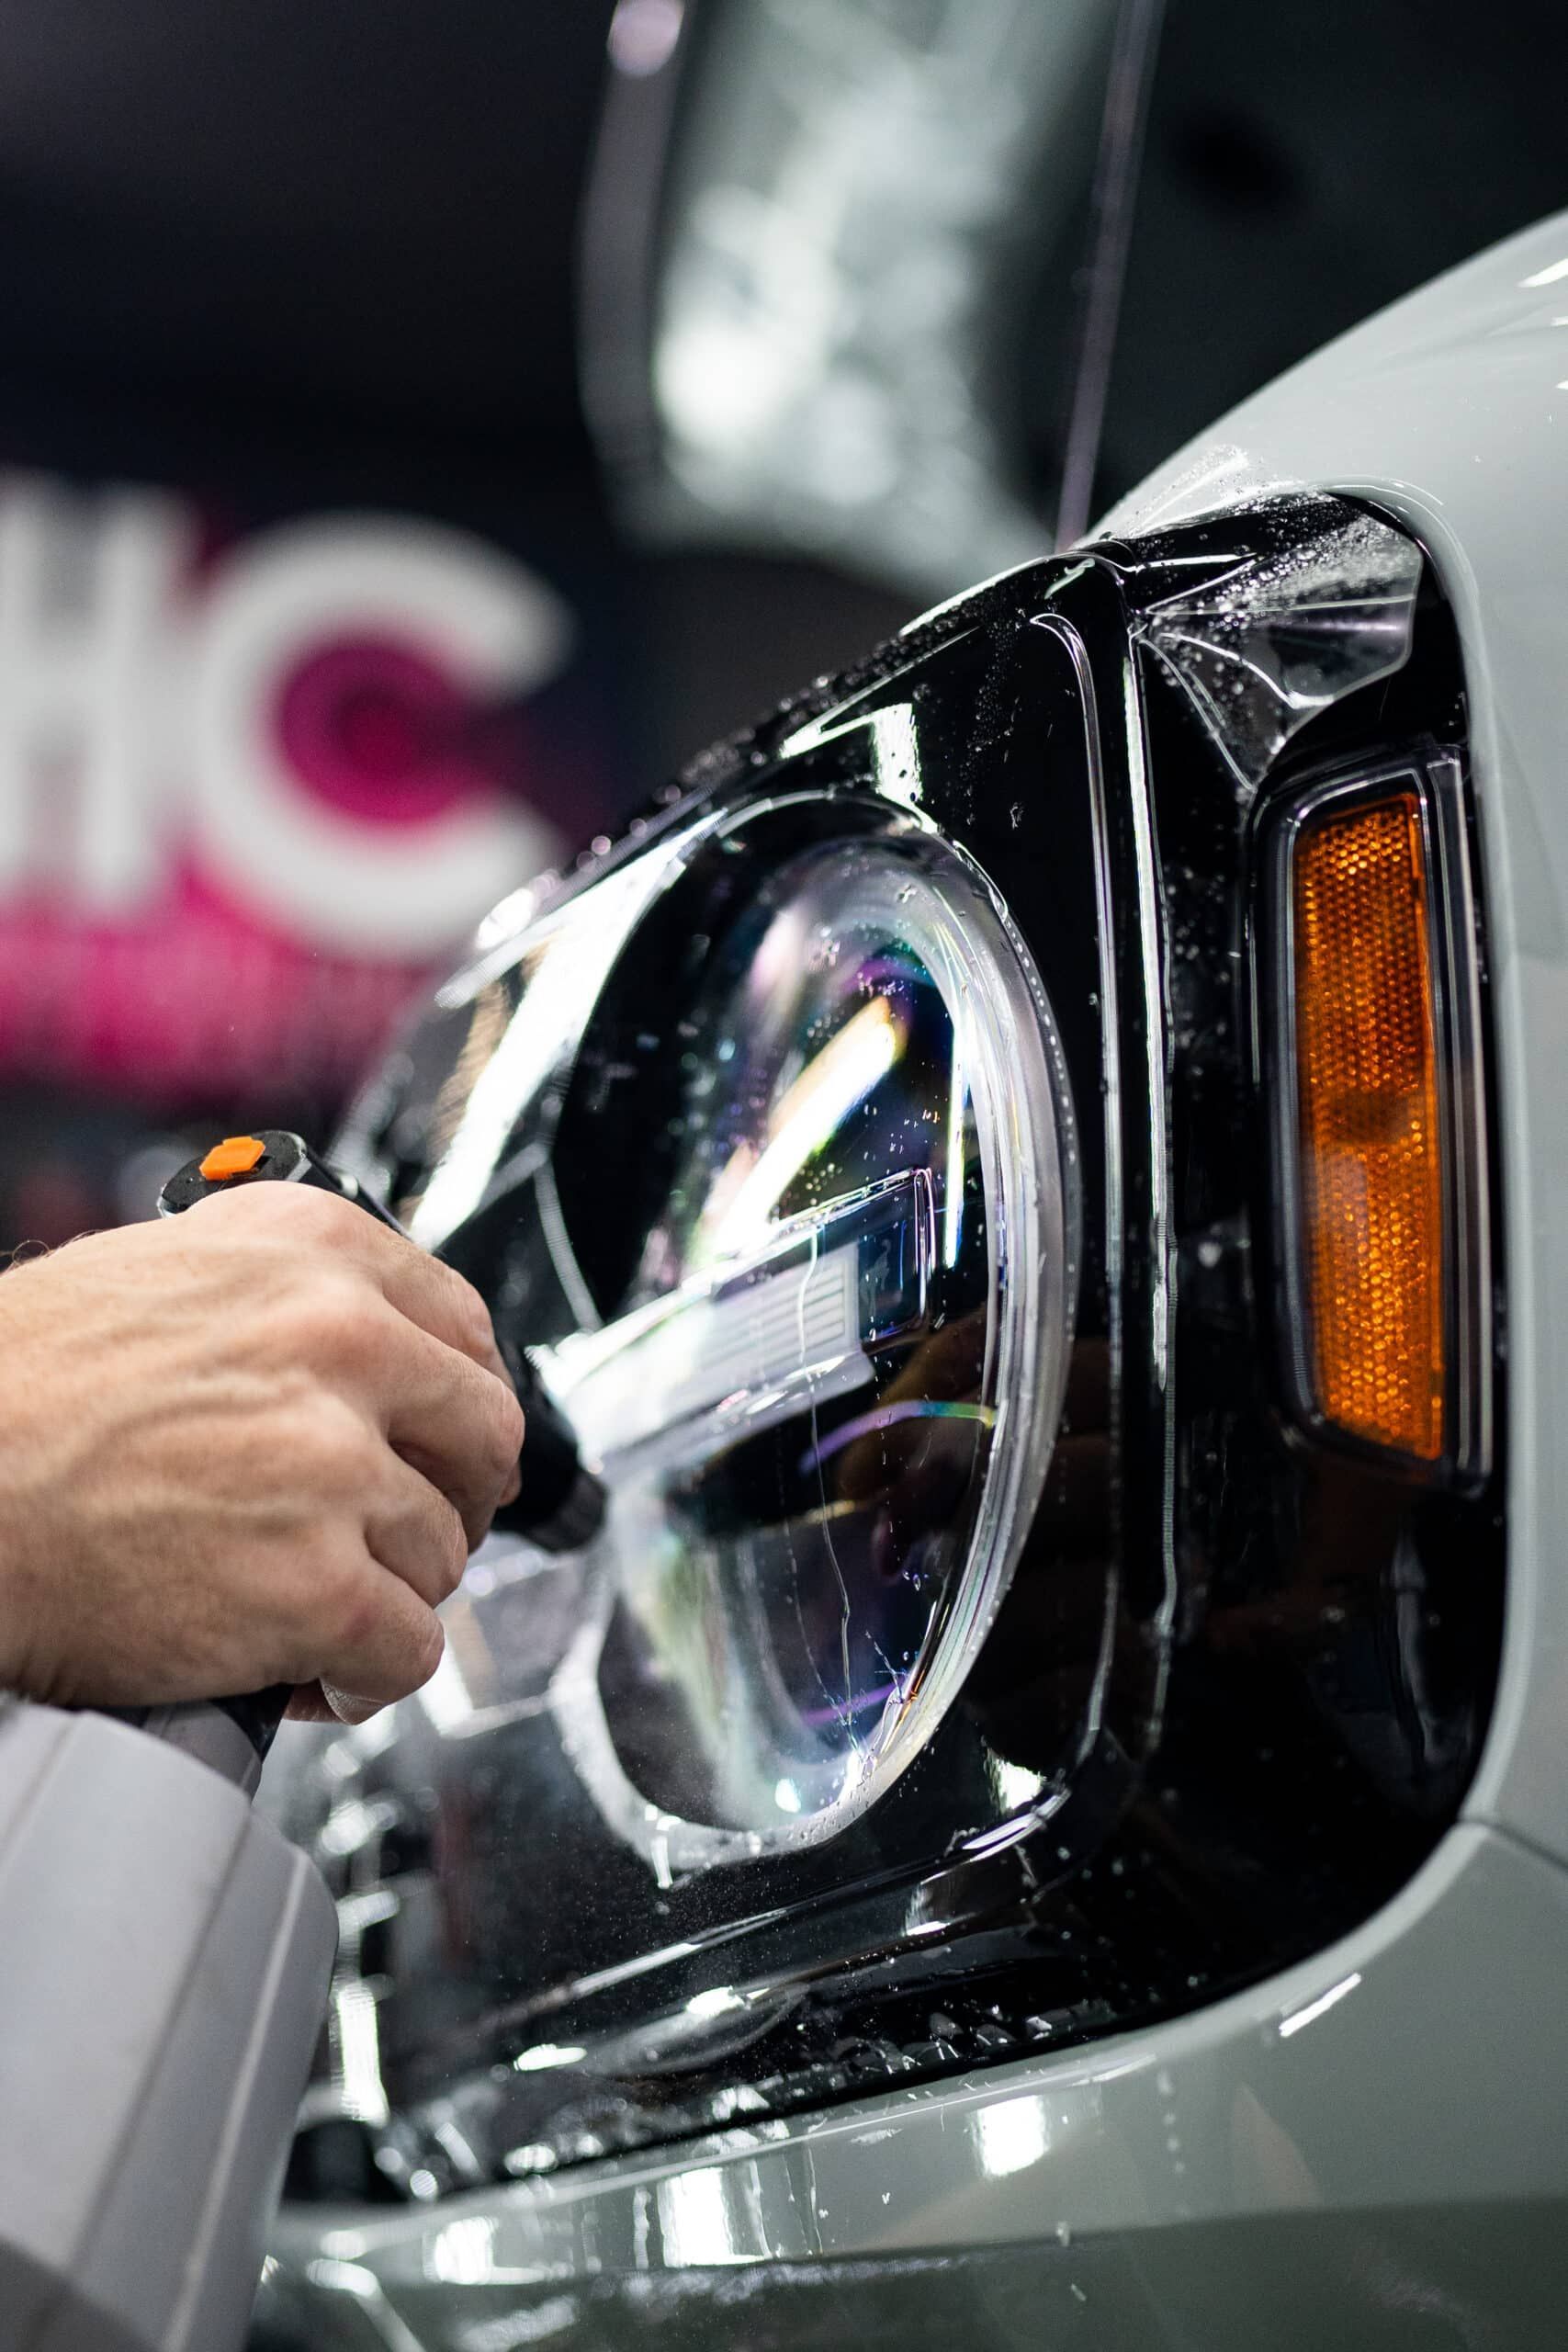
x: 280, y: 1158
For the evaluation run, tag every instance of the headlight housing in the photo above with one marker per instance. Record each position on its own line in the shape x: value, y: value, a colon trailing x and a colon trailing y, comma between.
x: 882, y: 1149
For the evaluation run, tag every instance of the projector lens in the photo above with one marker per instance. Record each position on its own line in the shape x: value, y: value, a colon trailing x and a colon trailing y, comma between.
x: 826, y: 1412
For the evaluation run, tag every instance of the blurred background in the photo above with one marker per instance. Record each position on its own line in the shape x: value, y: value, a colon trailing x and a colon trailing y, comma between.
x: 424, y: 425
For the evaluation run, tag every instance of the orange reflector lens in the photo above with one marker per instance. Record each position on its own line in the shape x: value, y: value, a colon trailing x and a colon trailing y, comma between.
x: 1371, y: 1155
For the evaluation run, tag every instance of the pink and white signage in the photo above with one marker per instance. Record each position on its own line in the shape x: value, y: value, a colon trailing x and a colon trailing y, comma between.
x: 249, y: 793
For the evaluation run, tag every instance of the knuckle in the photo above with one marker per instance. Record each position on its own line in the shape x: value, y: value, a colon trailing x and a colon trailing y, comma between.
x: 308, y: 1210
x: 295, y: 1210
x: 503, y: 1433
x: 330, y: 1452
x: 329, y: 1320
x: 351, y: 1612
x: 406, y: 1656
x: 452, y: 1549
x: 513, y: 1424
x: 473, y: 1330
x: 306, y: 1603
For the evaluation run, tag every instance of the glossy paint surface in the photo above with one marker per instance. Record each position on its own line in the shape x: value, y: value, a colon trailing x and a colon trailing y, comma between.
x: 1368, y: 2139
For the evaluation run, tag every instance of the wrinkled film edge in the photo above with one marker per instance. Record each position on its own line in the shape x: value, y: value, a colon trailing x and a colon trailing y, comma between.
x: 1269, y: 641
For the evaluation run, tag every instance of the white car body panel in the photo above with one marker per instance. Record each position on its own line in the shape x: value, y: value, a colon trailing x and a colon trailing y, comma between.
x: 1418, y: 2065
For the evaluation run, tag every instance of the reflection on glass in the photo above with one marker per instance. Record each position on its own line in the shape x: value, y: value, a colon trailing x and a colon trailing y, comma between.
x: 798, y: 1408
x: 1010, y: 2134
x: 696, y: 2220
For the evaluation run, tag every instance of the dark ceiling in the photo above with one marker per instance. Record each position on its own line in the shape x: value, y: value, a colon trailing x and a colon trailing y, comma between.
x: 281, y: 232
x: 331, y: 248
x: 1307, y: 161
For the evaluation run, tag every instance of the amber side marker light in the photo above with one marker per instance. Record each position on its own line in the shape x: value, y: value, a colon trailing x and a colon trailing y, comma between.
x: 1369, y: 1127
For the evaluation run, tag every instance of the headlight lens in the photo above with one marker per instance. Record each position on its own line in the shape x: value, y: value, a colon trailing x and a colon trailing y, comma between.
x: 860, y: 1276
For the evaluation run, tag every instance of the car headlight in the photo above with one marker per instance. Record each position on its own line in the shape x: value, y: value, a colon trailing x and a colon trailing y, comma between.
x: 943, y: 1157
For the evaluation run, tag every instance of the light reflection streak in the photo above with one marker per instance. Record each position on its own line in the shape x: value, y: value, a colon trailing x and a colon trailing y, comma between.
x: 344, y: 2279
x: 895, y: 754
x: 695, y: 2219
x: 533, y: 2324
x: 953, y: 1193
x: 343, y: 2245
x: 911, y: 1409
x: 1314, y: 2009
x: 353, y: 2278
x: 716, y: 2003
x: 359, y: 2053
x: 856, y: 1704
x: 807, y: 1116
x: 463, y: 2254
x: 1015, y: 1785
x: 1010, y: 2136
x: 445, y: 1697
x: 544, y: 2054
x: 565, y: 970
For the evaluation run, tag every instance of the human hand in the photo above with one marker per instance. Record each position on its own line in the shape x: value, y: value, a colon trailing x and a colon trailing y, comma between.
x: 250, y: 1445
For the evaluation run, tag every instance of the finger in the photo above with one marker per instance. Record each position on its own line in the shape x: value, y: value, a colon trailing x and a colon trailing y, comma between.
x: 316, y: 1702
x: 341, y: 1708
x: 309, y: 1704
x: 459, y: 1427
x: 417, y: 1534
x: 428, y: 1293
x: 386, y: 1643
x: 433, y: 1296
